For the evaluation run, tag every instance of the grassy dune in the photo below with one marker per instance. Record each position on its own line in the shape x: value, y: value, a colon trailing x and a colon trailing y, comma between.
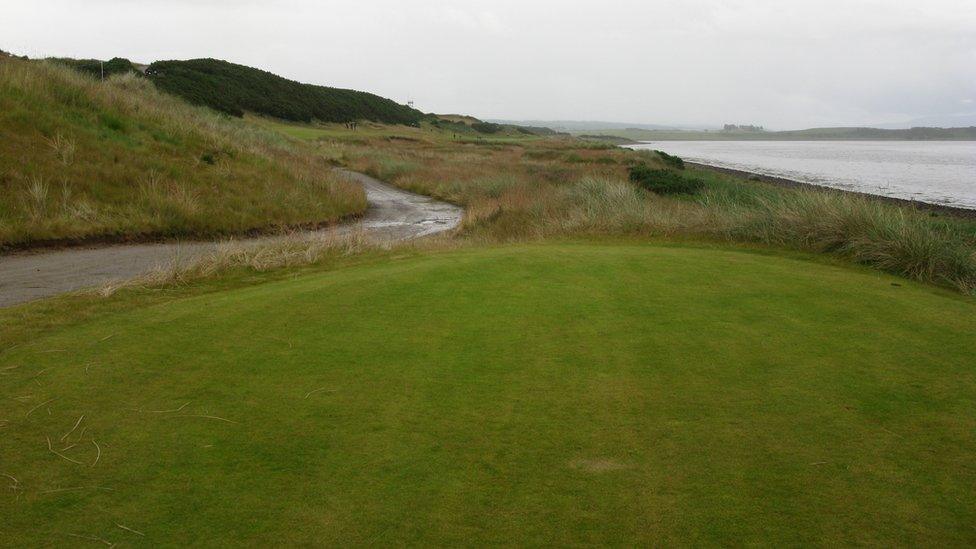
x: 117, y: 159
x: 561, y: 394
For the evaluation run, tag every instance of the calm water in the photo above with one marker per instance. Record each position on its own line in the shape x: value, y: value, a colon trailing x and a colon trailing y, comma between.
x: 941, y: 172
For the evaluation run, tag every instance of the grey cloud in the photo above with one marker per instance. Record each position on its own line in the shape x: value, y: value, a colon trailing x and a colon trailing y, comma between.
x: 779, y: 63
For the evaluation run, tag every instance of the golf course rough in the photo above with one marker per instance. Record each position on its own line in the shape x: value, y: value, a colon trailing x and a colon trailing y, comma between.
x: 578, y: 393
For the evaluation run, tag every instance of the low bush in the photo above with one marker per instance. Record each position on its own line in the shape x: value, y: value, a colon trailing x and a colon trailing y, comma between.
x: 664, y: 181
x: 98, y: 68
x: 671, y: 160
x: 453, y: 126
x: 486, y: 127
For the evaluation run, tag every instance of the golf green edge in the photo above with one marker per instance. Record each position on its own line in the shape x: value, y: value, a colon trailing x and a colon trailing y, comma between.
x: 559, y: 394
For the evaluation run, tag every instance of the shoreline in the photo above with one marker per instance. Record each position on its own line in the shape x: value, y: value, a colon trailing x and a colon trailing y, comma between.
x: 794, y: 184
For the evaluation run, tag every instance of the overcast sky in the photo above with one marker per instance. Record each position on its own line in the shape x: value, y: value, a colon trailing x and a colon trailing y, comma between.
x: 784, y: 64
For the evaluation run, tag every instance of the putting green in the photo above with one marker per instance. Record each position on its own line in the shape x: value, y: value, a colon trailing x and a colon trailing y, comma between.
x: 534, y: 394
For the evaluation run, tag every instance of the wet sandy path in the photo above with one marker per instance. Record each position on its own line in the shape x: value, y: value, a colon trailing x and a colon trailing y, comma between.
x: 393, y: 214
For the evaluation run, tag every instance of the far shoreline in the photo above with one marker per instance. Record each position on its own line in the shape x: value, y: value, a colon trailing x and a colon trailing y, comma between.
x: 794, y: 184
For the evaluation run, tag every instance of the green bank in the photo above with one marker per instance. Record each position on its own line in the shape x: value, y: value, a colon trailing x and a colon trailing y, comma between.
x: 568, y: 393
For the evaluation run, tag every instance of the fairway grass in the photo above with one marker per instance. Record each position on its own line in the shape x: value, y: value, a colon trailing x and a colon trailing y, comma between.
x: 559, y: 394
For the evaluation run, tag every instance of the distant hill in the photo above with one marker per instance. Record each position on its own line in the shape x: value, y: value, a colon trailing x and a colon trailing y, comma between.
x: 236, y: 89
x: 589, y: 126
x: 616, y: 140
x: 876, y: 133
x: 936, y: 121
x: 467, y: 124
x: 813, y: 134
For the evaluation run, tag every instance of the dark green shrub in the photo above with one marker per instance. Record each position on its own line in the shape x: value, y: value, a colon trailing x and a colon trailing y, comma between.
x: 486, y: 127
x: 97, y: 68
x: 236, y: 89
x: 536, y: 130
x: 455, y: 126
x: 671, y: 160
x: 664, y: 181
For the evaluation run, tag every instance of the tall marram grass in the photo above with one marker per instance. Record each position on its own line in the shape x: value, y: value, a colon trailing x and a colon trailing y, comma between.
x: 893, y: 239
x: 82, y: 158
x: 518, y: 193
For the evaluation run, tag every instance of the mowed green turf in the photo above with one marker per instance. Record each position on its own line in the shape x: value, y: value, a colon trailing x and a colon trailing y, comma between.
x: 536, y: 394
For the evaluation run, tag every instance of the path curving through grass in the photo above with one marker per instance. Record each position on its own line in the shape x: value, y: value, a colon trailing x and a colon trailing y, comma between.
x: 393, y: 214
